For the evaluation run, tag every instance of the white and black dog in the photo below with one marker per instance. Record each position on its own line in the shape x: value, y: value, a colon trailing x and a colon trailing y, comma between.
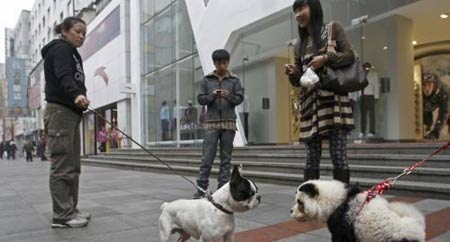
x: 340, y: 206
x: 209, y: 220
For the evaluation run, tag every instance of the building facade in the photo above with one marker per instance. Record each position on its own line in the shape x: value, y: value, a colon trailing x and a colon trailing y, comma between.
x: 106, y: 59
x: 3, y: 102
x: 22, y: 40
x: 17, y: 66
x: 390, y: 35
x: 171, y: 73
x: 44, y: 16
x: 144, y: 57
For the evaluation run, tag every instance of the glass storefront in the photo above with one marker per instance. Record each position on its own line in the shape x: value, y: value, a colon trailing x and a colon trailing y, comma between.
x: 381, y: 32
x: 382, y: 113
x: 171, y: 73
x: 92, y: 125
x: 89, y: 134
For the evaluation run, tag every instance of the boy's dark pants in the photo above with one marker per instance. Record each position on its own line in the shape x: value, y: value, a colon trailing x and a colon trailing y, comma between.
x: 210, y: 142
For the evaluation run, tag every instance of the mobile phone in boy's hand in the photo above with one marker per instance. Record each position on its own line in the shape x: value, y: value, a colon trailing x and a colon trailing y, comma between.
x: 221, y: 92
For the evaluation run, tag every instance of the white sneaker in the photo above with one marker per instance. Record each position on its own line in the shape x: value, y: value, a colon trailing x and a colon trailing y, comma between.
x: 370, y: 135
x: 84, y: 215
x: 73, y: 223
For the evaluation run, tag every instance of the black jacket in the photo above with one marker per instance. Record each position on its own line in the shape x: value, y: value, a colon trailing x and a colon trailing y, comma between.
x: 220, y: 109
x: 64, y: 75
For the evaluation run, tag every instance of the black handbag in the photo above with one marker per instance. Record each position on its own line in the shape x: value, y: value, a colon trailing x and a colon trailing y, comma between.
x: 346, y: 79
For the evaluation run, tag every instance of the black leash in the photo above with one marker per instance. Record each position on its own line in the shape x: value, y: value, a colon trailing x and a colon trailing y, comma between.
x: 218, y: 206
x: 208, y: 195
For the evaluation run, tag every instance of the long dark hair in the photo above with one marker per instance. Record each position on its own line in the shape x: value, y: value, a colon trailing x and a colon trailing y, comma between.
x: 315, y: 21
x: 67, y: 24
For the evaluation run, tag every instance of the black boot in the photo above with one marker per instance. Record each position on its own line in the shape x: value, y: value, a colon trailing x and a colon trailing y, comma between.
x: 342, y: 175
x: 311, y: 174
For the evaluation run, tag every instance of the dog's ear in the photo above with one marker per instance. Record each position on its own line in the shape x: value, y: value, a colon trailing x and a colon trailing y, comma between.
x: 310, y: 189
x: 352, y: 190
x: 236, y: 174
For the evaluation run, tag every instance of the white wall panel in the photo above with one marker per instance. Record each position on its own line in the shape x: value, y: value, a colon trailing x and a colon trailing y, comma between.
x: 215, y: 24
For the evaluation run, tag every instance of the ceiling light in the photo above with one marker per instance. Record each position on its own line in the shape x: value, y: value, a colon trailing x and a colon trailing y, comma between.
x: 444, y: 15
x: 414, y: 42
x: 363, y: 37
x: 385, y: 48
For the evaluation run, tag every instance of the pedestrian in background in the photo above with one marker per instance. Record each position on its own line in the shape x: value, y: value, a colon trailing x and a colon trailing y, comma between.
x: 65, y: 92
x: 2, y: 149
x: 173, y: 122
x: 102, y: 138
x: 114, y: 138
x: 28, y: 148
x: 324, y: 114
x: 221, y: 92
x: 8, y: 149
x: 12, y: 149
x: 165, y: 118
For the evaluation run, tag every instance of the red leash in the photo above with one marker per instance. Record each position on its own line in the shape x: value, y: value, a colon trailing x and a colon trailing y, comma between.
x: 387, y: 184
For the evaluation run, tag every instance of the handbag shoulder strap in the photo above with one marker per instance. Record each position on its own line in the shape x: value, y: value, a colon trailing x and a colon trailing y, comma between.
x: 331, y: 43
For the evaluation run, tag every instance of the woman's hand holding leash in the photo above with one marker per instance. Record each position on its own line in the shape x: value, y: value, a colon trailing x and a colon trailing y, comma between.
x: 82, y: 101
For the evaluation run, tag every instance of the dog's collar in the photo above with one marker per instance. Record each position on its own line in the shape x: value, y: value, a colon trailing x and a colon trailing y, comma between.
x: 218, y: 206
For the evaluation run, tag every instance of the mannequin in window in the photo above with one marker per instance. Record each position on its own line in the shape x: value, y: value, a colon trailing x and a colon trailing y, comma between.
x: 367, y: 100
x: 165, y: 118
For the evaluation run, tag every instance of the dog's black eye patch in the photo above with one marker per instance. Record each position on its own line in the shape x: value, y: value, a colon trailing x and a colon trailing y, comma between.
x: 309, y: 189
x: 241, y: 190
x: 300, y: 205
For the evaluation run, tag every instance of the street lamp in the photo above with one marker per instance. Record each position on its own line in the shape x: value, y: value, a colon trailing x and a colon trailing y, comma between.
x: 245, y: 99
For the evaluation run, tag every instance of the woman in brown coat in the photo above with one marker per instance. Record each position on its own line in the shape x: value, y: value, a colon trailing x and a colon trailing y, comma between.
x: 323, y: 114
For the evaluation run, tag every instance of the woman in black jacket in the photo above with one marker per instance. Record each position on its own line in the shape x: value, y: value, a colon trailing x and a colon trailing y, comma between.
x: 66, y: 100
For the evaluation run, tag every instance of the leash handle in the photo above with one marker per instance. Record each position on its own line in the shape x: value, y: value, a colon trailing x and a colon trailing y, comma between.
x: 148, y: 151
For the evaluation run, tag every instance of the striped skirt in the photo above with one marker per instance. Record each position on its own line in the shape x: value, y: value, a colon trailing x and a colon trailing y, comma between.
x: 322, y: 111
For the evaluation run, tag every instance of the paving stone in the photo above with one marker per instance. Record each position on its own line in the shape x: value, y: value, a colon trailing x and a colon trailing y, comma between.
x: 305, y: 238
x: 428, y: 206
x: 44, y: 235
x: 21, y: 224
x: 125, y: 206
x: 441, y: 238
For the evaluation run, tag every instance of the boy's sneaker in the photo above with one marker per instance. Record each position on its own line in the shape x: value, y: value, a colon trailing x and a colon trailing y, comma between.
x: 76, y: 222
x: 84, y: 215
x: 198, y: 194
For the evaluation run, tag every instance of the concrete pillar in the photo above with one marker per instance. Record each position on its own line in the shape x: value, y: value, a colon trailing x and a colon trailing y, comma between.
x: 135, y: 110
x: 400, y: 70
x: 124, y: 117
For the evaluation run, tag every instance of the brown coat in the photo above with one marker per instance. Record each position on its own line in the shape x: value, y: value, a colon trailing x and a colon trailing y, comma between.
x: 322, y: 111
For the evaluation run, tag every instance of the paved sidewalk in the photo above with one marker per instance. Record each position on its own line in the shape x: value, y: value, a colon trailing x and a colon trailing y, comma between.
x: 125, y: 207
